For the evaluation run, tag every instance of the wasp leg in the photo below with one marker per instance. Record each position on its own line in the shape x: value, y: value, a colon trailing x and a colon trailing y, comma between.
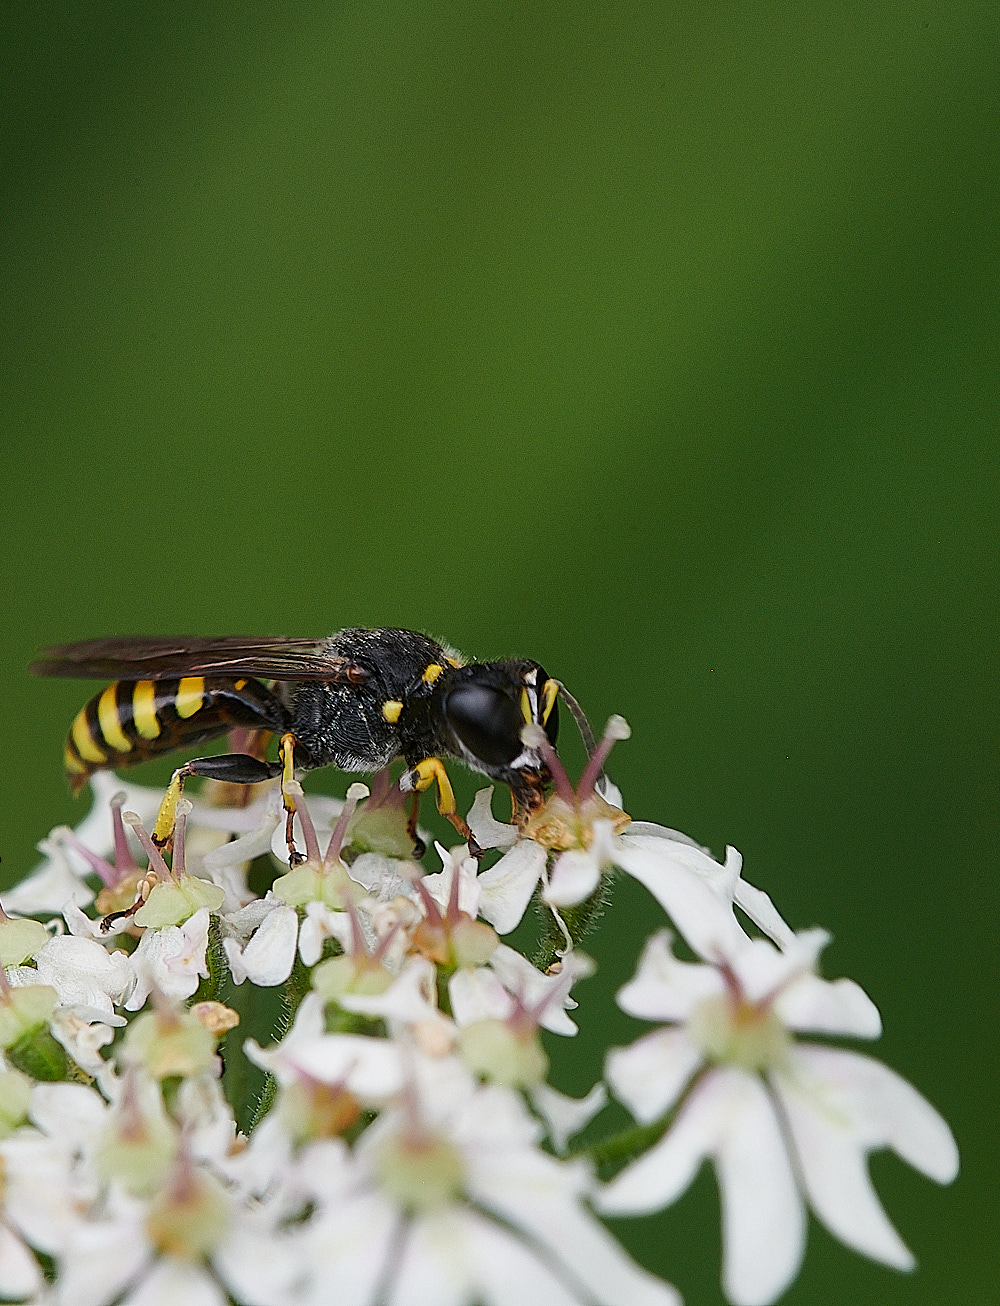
x: 236, y: 768
x: 431, y: 771
x: 419, y: 847
x: 286, y: 751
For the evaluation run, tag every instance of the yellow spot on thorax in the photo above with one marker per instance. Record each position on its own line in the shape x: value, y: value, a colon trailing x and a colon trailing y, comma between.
x: 111, y: 726
x: 190, y: 695
x: 391, y: 709
x: 432, y: 672
x: 144, y: 709
x: 84, y: 740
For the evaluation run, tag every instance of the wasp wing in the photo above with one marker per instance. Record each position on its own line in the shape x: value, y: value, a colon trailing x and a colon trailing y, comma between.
x: 142, y: 658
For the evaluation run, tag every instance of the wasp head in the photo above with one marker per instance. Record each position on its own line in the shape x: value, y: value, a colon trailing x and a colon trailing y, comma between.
x: 486, y: 706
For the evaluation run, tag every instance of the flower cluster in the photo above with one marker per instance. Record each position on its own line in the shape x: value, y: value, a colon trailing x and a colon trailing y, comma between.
x: 408, y: 1147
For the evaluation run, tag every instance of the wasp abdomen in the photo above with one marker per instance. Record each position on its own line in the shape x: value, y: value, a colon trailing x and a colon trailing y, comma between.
x: 133, y: 720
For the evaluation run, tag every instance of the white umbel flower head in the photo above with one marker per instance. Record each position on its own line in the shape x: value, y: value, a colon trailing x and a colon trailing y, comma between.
x: 785, y: 1123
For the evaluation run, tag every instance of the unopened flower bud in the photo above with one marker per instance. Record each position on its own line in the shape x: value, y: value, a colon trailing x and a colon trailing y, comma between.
x: 494, y: 1051
x: 169, y: 1043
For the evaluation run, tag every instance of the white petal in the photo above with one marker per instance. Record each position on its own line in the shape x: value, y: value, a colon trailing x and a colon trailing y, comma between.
x: 574, y: 878
x: 565, y: 1116
x: 103, y: 1258
x: 478, y: 995
x: 436, y: 1266
x: 268, y: 957
x: 348, y: 1252
x: 506, y: 888
x: 546, y: 995
x: 705, y: 920
x: 660, y: 1175
x: 762, y: 911
x: 819, y: 1006
x: 582, y: 1248
x: 19, y: 1272
x: 170, y: 1282
x: 832, y: 1163
x: 651, y: 1074
x: 71, y: 1113
x: 487, y: 831
x: 665, y: 988
x: 369, y: 1067
x: 763, y: 970
x: 763, y: 1219
x: 506, y: 1272
x: 49, y: 886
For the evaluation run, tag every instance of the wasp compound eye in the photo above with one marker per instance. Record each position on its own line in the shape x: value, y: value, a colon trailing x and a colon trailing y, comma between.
x: 487, y: 721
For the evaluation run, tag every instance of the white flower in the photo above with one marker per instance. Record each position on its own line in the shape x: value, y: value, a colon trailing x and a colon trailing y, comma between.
x: 268, y: 957
x: 87, y: 978
x: 170, y: 960
x: 446, y: 1200
x: 784, y: 1122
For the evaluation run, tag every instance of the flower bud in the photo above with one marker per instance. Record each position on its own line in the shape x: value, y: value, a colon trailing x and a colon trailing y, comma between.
x: 172, y: 902
x: 15, y: 1095
x: 494, y: 1051
x: 169, y: 1043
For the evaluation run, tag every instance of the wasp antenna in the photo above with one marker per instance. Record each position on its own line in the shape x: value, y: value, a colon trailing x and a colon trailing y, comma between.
x: 580, y: 717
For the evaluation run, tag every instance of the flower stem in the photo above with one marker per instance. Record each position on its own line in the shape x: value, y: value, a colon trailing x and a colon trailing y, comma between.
x: 579, y: 921
x: 613, y: 1152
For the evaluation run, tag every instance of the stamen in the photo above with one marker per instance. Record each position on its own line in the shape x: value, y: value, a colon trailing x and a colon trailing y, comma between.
x: 184, y: 806
x: 354, y: 796
x: 313, y: 855
x: 533, y: 736
x: 431, y: 907
x: 125, y: 863
x: 617, y: 728
x: 65, y: 837
x: 453, y: 890
x: 359, y: 945
x: 384, y: 943
x: 156, y: 862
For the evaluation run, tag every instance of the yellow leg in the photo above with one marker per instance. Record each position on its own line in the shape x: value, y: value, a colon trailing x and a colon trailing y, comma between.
x: 431, y: 771
x: 163, y: 827
x: 286, y: 752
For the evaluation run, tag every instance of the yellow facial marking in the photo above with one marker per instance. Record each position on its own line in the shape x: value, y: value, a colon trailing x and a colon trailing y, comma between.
x: 550, y: 692
x: 391, y: 709
x: 526, y: 706
x: 144, y: 709
x: 84, y: 741
x: 190, y: 695
x: 111, y: 726
x: 432, y: 673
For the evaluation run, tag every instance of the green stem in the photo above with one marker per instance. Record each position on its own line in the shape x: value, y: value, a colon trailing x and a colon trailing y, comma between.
x: 297, y: 986
x: 210, y: 989
x: 579, y: 922
x: 630, y: 1143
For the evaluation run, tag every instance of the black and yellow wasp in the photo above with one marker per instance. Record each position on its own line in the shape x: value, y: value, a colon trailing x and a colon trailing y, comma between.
x: 356, y: 701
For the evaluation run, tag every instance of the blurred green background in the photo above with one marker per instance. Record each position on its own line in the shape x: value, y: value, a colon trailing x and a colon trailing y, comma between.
x: 653, y: 341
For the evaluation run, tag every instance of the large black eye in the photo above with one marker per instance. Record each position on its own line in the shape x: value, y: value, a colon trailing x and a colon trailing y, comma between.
x: 487, y: 722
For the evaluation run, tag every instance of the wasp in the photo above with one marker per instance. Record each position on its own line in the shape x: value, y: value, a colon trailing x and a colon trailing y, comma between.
x: 357, y: 701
